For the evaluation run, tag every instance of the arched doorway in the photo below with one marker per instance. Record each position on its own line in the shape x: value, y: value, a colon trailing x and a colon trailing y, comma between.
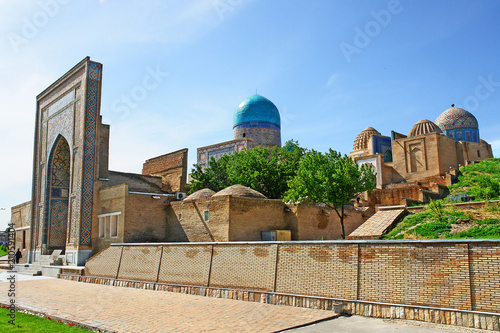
x: 56, y: 197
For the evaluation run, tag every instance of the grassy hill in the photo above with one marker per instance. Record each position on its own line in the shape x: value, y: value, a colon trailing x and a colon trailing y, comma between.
x: 440, y: 221
x: 481, y: 180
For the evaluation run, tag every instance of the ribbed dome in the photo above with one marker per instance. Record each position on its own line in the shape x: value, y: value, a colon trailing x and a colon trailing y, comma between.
x: 424, y: 126
x: 361, y: 141
x: 456, y: 118
x: 201, y: 194
x: 240, y: 191
x: 257, y: 111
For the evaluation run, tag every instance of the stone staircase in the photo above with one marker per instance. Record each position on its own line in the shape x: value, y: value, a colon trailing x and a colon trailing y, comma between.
x: 43, y: 266
x: 28, y: 269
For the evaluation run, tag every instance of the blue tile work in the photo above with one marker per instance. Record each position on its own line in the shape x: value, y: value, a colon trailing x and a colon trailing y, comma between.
x: 267, y: 124
x: 58, y: 223
x: 89, y: 155
x: 58, y: 178
x: 459, y: 124
x: 256, y: 108
x: 382, y: 145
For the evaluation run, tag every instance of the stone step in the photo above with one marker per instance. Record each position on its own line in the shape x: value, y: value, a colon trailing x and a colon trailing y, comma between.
x: 30, y: 272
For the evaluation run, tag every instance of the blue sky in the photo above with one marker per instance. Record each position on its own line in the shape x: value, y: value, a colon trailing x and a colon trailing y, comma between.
x: 331, y: 67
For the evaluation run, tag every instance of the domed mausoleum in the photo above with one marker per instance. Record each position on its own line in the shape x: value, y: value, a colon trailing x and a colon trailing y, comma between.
x: 419, y: 166
x: 258, y: 118
x: 256, y: 122
x: 459, y: 124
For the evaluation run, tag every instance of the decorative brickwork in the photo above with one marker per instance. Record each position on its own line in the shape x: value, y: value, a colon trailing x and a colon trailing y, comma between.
x: 89, y: 157
x: 458, y: 275
x: 186, y: 264
x: 105, y: 263
x: 140, y: 263
x: 446, y: 282
x: 244, y: 266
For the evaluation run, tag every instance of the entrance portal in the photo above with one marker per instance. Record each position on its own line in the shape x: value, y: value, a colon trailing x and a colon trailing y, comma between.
x: 57, y: 194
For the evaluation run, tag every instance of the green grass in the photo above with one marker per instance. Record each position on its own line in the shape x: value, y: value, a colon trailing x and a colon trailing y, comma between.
x: 437, y: 222
x: 30, y: 323
x: 481, y: 180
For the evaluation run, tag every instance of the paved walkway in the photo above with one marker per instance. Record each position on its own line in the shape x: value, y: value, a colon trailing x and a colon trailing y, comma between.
x: 135, y: 310
x: 358, y: 324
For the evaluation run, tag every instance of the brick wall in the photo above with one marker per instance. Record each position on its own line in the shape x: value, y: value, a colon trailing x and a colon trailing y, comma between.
x: 21, y: 218
x: 235, y: 218
x: 171, y: 167
x: 461, y: 275
x: 186, y: 220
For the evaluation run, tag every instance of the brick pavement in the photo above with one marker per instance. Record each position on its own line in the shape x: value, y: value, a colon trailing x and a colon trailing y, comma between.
x: 135, y: 310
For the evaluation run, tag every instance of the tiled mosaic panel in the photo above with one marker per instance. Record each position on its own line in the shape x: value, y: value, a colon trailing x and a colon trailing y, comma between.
x: 430, y: 275
x: 89, y: 157
x: 485, y: 277
x: 60, y: 165
x: 58, y: 223
x: 61, y: 124
x: 185, y: 264
x: 244, y: 266
x: 318, y: 270
x: 140, y: 263
x: 104, y: 263
x: 58, y: 191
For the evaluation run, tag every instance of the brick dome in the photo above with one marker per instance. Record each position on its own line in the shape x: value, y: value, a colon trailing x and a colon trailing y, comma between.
x: 201, y: 194
x: 240, y: 191
x: 424, y: 126
x: 361, y: 141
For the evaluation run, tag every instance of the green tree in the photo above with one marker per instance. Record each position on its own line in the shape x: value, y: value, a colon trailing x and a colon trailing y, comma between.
x: 266, y: 170
x: 331, y: 179
x: 214, y: 176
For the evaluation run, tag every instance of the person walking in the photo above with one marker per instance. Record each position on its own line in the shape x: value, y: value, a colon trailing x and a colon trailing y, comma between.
x: 19, y: 255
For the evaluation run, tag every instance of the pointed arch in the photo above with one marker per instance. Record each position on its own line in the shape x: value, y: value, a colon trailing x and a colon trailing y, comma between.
x: 57, y: 196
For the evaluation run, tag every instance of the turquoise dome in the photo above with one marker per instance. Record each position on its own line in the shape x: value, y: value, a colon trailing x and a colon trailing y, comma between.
x: 257, y: 111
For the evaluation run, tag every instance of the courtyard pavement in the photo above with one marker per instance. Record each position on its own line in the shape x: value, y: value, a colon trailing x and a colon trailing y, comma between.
x: 122, y: 309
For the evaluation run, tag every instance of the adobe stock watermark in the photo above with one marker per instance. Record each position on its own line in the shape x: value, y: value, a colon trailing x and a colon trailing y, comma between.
x: 31, y: 26
x: 11, y: 292
x: 364, y: 36
x: 483, y: 91
x: 130, y: 101
x: 225, y: 7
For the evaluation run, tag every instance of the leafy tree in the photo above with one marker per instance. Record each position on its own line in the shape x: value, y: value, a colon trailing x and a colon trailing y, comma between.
x: 214, y: 176
x: 331, y: 179
x: 266, y: 170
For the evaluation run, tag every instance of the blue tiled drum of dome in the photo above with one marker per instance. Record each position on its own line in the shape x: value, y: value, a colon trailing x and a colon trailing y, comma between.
x: 459, y: 124
x: 257, y: 111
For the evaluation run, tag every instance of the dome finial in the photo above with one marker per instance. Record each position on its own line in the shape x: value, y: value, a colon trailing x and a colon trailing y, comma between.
x: 453, y: 105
